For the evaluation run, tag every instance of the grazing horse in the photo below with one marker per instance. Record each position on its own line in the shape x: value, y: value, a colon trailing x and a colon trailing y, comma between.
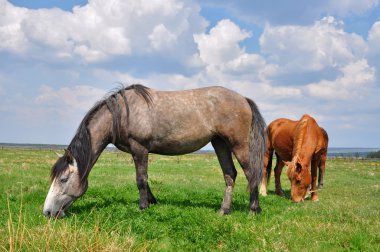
x: 302, y: 146
x: 139, y: 120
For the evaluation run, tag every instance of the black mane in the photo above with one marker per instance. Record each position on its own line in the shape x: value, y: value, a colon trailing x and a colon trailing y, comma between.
x: 141, y: 90
x: 81, y: 147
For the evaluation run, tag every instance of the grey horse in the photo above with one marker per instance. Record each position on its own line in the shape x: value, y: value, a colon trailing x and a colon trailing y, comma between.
x: 140, y: 120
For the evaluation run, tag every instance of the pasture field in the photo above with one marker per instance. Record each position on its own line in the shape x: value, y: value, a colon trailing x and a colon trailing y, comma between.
x: 189, y: 190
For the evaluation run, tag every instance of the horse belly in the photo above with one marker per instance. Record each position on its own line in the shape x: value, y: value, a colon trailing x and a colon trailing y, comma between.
x: 179, y: 146
x: 284, y: 148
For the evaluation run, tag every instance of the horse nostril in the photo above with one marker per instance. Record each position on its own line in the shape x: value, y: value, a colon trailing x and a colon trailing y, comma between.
x: 47, y: 213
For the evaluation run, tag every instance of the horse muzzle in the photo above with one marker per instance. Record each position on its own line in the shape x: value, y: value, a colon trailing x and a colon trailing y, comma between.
x: 57, y: 210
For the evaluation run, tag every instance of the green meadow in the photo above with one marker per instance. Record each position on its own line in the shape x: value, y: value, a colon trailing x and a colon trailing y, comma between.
x: 189, y: 190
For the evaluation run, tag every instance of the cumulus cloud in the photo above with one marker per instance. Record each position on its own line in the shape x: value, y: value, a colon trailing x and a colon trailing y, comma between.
x: 220, y: 60
x: 11, y: 37
x: 225, y: 60
x: 312, y: 48
x: 333, y: 60
x: 221, y: 45
x: 101, y: 29
x: 162, y: 38
x: 357, y: 77
x: 289, y: 50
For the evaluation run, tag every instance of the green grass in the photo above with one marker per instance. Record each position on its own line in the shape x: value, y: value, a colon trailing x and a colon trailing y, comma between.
x: 189, y: 190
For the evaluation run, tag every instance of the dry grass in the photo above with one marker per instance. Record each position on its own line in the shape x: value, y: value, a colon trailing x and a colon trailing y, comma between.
x: 72, y: 235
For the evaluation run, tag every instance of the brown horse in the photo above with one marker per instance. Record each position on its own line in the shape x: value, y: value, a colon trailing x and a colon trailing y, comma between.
x: 139, y: 120
x: 302, y: 146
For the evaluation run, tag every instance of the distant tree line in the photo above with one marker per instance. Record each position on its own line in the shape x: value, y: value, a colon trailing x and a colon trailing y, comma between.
x: 374, y: 154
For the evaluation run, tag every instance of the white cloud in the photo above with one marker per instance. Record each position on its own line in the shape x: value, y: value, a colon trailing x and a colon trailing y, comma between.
x: 162, y: 38
x: 290, y: 49
x: 354, y: 84
x: 102, y: 29
x: 374, y: 38
x: 65, y: 99
x: 312, y: 48
x: 321, y: 48
x: 221, y: 44
x: 11, y: 37
x: 225, y: 60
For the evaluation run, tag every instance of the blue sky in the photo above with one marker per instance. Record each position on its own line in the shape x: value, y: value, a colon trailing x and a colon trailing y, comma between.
x: 57, y: 58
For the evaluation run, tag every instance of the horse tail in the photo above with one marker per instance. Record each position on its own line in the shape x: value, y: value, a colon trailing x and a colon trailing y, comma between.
x: 257, y: 146
x: 269, y: 166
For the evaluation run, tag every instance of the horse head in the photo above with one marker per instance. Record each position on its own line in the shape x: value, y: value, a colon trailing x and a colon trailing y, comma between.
x: 300, y: 179
x: 66, y: 186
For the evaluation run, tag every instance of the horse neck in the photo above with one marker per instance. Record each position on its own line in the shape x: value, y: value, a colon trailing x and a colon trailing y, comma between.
x: 100, y: 129
x: 91, y: 139
x: 301, y: 151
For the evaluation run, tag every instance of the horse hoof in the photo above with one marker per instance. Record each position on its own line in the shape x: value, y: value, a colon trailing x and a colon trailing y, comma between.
x: 224, y: 211
x: 152, y: 201
x: 320, y: 187
x: 144, y: 206
x: 255, y: 211
x: 280, y: 193
x: 314, y: 198
x: 263, y: 193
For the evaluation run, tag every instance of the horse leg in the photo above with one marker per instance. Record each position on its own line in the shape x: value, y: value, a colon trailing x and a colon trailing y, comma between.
x: 266, y: 172
x: 277, y: 175
x: 140, y: 158
x: 322, y: 167
x: 225, y: 159
x: 314, y: 166
x: 242, y: 155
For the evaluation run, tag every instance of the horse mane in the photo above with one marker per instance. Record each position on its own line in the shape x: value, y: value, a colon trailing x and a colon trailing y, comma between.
x: 299, y: 137
x: 142, y: 91
x: 80, y: 146
x: 112, y: 104
x: 325, y: 135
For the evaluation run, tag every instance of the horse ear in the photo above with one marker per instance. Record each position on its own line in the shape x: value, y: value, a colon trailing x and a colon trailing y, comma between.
x: 69, y: 156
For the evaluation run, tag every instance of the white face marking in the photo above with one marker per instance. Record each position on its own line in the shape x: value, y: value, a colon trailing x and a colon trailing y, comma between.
x: 64, y: 190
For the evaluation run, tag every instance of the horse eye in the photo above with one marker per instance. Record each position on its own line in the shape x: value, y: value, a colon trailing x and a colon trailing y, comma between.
x: 64, y: 180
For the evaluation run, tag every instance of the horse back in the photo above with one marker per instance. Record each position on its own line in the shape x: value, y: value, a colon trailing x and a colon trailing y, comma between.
x: 184, y: 121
